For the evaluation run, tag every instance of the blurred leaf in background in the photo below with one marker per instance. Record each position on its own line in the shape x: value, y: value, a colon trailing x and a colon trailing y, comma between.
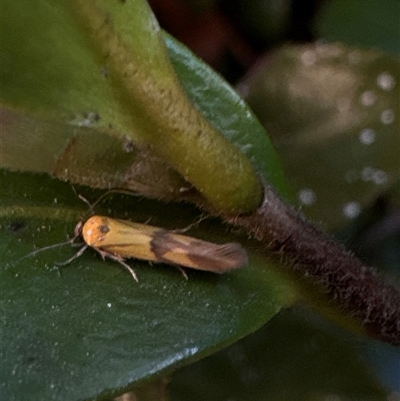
x: 332, y: 112
x: 296, y: 356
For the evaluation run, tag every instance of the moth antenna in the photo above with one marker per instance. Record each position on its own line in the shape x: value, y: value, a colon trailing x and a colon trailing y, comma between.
x: 101, y: 197
x: 46, y: 248
x: 83, y: 199
x: 190, y: 226
x: 71, y: 241
x: 112, y: 191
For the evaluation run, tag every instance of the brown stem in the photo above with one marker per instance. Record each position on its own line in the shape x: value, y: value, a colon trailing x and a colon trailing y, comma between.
x: 321, y: 261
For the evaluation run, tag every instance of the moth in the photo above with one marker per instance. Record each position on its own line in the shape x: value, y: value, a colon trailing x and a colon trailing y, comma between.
x: 122, y: 239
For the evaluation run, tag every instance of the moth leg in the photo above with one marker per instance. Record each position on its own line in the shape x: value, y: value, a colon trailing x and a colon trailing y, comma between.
x: 120, y: 260
x: 75, y: 244
x: 76, y: 256
x: 183, y: 272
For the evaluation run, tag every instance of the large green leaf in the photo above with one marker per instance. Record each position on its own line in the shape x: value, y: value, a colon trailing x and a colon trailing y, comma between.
x: 87, y: 329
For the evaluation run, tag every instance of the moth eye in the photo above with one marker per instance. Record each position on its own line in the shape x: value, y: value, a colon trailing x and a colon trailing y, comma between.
x: 104, y: 229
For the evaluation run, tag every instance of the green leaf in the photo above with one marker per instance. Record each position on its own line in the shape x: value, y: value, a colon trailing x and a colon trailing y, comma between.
x: 87, y: 329
x: 228, y: 112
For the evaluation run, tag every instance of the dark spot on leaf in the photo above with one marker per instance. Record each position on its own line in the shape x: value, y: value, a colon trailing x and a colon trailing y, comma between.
x: 31, y: 359
x: 17, y: 226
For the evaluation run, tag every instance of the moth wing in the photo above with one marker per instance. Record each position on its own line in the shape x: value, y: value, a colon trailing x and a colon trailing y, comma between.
x: 197, y: 254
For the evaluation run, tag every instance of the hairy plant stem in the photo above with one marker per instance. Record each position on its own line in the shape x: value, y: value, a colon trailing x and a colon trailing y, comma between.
x: 322, y: 262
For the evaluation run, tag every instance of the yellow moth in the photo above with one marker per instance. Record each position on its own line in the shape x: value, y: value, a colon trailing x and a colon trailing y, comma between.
x: 122, y: 239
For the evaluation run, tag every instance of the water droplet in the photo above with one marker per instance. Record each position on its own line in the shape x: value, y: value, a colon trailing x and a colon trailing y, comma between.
x: 351, y: 209
x: 367, y: 136
x: 368, y: 98
x: 386, y: 81
x: 307, y: 196
x: 109, y: 305
x: 377, y: 176
x: 308, y: 57
x: 387, y: 116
